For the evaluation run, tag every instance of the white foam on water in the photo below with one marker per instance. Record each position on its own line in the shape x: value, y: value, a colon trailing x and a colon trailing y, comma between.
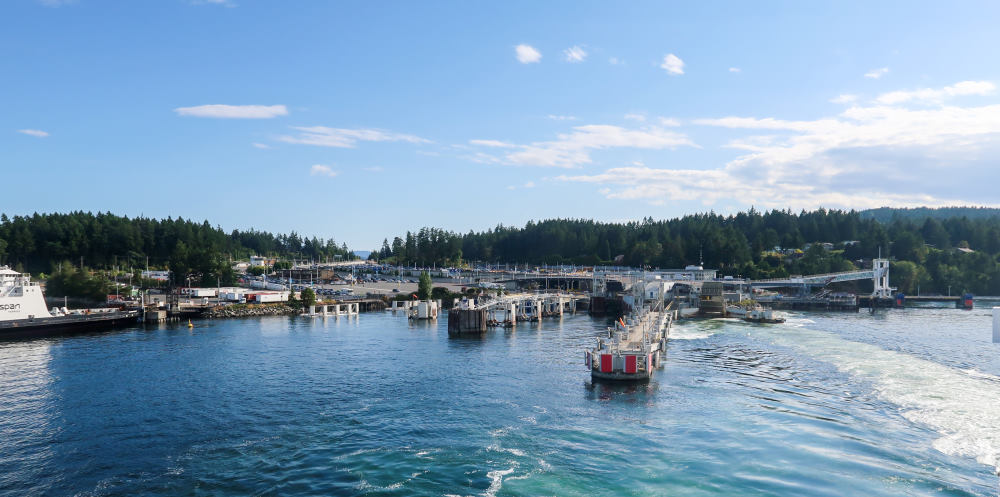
x: 963, y: 407
x: 689, y: 333
x: 528, y: 419
x: 497, y: 480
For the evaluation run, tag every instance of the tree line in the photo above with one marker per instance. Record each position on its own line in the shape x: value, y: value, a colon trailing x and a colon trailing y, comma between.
x: 52, y: 243
x: 750, y: 244
x: 934, y: 254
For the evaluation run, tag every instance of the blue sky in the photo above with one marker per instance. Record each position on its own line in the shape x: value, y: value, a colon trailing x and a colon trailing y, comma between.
x: 361, y: 120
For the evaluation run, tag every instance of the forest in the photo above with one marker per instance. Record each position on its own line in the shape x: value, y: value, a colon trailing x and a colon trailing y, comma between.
x: 930, y: 253
x: 60, y: 244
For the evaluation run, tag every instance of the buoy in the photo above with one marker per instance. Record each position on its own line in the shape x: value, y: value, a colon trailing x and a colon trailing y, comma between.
x: 189, y: 324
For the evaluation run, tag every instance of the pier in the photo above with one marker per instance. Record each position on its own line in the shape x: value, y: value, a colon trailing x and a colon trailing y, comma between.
x: 508, y: 310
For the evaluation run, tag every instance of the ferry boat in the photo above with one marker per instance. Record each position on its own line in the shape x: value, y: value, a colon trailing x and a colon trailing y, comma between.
x: 23, y: 312
x: 760, y: 314
x: 633, y: 348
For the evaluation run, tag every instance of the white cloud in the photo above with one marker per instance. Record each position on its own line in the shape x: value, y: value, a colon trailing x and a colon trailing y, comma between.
x: 262, y: 146
x: 221, y: 111
x: 877, y: 73
x: 573, y: 149
x: 323, y: 136
x: 575, y: 54
x: 844, y: 99
x: 673, y: 64
x: 321, y: 170
x: 561, y: 118
x: 616, y: 61
x: 734, y: 69
x: 492, y: 143
x: 37, y: 133
x: 963, y: 88
x: 865, y: 156
x: 635, y: 116
x: 526, y: 54
x: 669, y: 122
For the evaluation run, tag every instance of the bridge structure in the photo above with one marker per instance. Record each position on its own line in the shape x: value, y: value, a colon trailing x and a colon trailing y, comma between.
x: 879, y: 274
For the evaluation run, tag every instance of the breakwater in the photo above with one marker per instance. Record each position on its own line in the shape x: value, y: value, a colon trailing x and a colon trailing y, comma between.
x: 249, y: 311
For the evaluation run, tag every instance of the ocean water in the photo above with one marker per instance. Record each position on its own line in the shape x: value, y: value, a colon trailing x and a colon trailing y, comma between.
x: 893, y: 403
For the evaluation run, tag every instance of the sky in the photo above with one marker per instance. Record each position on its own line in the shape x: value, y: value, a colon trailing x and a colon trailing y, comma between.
x: 361, y: 120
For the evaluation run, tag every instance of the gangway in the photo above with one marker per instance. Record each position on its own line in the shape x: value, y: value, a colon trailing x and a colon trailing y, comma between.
x: 879, y: 274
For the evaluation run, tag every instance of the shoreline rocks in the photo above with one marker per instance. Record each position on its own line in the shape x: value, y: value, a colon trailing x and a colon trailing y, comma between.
x: 249, y: 311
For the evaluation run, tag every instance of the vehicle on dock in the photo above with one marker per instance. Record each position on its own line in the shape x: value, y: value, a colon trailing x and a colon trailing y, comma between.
x: 23, y: 312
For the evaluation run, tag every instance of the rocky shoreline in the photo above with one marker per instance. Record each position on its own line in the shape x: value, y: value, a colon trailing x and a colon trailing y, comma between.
x: 249, y: 311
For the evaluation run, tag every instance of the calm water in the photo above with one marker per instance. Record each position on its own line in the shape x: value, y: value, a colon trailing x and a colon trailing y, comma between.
x: 897, y: 403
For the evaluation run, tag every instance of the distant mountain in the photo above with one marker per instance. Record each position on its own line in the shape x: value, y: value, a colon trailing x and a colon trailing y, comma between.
x: 887, y: 214
x: 362, y: 253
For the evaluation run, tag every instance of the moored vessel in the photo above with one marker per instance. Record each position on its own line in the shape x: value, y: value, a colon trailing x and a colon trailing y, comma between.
x: 23, y: 311
x: 760, y: 314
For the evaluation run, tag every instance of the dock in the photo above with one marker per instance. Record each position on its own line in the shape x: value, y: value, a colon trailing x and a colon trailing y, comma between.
x: 634, y: 347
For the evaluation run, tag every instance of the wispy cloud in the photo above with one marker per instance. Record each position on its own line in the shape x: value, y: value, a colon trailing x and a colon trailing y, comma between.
x: 844, y: 99
x: 492, y: 143
x: 615, y: 61
x: 34, y: 132
x: 527, y: 54
x: 573, y: 149
x: 222, y: 111
x: 323, y: 136
x: 734, y: 69
x: 262, y: 146
x: 530, y: 184
x: 575, y: 54
x: 963, y: 88
x: 635, y: 116
x: 555, y: 117
x: 877, y: 73
x: 321, y: 170
x: 673, y: 64
x: 865, y: 156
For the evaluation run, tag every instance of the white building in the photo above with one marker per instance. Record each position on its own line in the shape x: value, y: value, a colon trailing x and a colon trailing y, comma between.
x: 156, y: 275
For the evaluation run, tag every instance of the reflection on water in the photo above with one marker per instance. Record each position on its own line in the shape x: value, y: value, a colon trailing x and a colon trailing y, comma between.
x: 29, y: 415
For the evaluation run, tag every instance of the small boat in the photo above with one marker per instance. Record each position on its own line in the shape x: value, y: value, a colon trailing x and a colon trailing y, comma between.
x: 759, y: 314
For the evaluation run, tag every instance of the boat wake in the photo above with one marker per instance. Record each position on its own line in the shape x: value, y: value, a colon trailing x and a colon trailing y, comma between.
x: 690, y: 332
x: 962, y: 407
